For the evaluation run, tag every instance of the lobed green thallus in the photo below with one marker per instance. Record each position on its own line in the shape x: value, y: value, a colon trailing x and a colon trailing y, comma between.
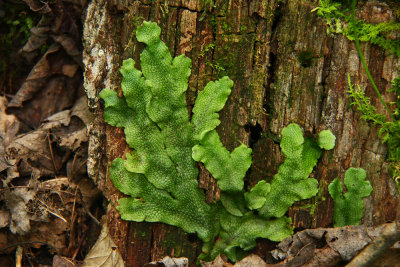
x: 349, y: 207
x: 160, y: 173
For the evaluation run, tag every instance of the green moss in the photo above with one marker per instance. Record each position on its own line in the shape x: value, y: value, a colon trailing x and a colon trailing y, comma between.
x: 340, y: 20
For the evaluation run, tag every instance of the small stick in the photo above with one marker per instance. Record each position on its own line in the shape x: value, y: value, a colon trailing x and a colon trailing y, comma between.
x: 18, y: 256
x: 51, y: 152
x: 28, y: 243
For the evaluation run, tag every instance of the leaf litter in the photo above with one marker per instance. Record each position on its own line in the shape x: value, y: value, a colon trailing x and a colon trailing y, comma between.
x: 48, y: 203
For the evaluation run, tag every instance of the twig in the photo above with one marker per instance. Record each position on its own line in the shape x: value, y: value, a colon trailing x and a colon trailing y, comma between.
x: 44, y: 205
x: 73, y: 207
x: 36, y: 188
x: 51, y: 152
x: 18, y: 257
x: 27, y: 243
x: 86, y: 209
x: 79, y: 190
x: 79, y: 245
x: 390, y: 234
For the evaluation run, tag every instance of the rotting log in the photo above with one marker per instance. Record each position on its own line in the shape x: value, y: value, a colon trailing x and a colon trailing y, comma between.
x: 285, y: 68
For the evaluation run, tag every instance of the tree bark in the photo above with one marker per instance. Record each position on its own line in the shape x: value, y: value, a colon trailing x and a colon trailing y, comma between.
x: 285, y: 68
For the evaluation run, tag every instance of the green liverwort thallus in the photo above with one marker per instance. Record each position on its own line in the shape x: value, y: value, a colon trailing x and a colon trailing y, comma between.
x: 160, y: 174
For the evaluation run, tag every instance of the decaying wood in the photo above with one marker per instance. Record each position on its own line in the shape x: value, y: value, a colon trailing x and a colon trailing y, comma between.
x: 260, y: 45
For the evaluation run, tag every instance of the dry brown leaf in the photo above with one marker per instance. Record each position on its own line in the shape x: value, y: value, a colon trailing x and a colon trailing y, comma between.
x: 49, y: 88
x: 89, y: 191
x: 38, y: 6
x: 9, y: 124
x: 4, y: 218
x: 169, y: 262
x: 324, y: 246
x: 62, y: 118
x: 47, y: 208
x: 326, y: 257
x: 16, y: 201
x: 73, y: 136
x: 9, y: 127
x: 219, y: 261
x: 69, y: 44
x: 39, y: 35
x: 59, y: 261
x: 251, y: 260
x: 104, y: 253
x: 36, y: 79
x: 41, y: 202
x: 53, y: 232
x: 31, y: 152
x: 81, y: 110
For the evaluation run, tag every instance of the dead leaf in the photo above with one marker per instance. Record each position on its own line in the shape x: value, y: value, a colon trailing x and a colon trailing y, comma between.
x: 69, y: 44
x: 348, y: 241
x: 70, y: 70
x: 59, y: 119
x: 31, y: 151
x: 4, y: 218
x: 38, y: 6
x: 73, y: 136
x: 89, y: 191
x: 49, y: 88
x: 16, y: 202
x: 104, y: 253
x: 56, y: 95
x: 4, y: 242
x: 170, y: 262
x: 59, y: 261
x: 47, y: 201
x: 9, y: 127
x: 219, y: 261
x: 47, y: 210
x: 53, y: 232
x: 36, y: 79
x: 81, y: 110
x: 324, y: 246
x: 39, y: 35
x: 251, y: 260
x: 9, y: 124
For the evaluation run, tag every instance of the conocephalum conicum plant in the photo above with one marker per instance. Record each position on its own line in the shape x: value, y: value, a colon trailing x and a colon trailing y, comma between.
x: 349, y: 207
x: 160, y: 174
